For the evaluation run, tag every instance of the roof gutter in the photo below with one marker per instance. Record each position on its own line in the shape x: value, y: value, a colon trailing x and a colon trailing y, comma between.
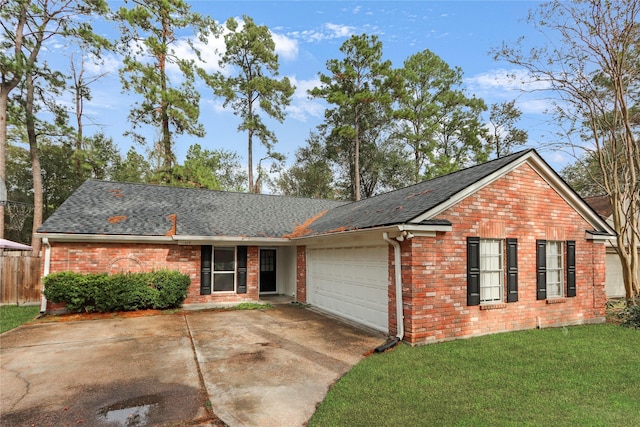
x: 180, y: 240
x: 600, y: 237
x: 47, y: 268
x: 198, y: 240
x: 415, y: 229
x: 425, y: 228
x: 69, y: 237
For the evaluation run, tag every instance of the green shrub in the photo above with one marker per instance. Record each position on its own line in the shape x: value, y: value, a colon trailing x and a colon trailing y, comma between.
x: 69, y: 288
x: 125, y: 292
x: 631, y: 315
x: 172, y: 287
x: 118, y: 292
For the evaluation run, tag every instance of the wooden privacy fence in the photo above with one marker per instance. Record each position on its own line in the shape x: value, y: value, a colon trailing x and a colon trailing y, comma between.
x: 20, y: 281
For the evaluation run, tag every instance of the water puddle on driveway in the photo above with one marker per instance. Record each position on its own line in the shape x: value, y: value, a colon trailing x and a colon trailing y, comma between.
x: 130, y: 413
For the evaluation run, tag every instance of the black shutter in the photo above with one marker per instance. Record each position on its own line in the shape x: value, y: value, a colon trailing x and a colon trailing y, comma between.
x: 205, y: 269
x: 512, y: 270
x: 473, y: 271
x: 571, y: 268
x: 541, y: 269
x: 242, y: 269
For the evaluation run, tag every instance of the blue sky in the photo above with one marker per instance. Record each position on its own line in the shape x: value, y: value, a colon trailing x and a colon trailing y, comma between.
x: 308, y: 33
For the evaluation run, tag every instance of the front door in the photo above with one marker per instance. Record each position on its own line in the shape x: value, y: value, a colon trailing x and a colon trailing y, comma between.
x: 267, y: 271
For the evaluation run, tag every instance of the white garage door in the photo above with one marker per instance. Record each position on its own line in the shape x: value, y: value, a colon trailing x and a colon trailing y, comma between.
x: 614, y: 279
x: 350, y: 282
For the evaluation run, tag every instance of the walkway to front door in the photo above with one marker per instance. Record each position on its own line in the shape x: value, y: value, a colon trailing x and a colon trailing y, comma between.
x: 268, y: 271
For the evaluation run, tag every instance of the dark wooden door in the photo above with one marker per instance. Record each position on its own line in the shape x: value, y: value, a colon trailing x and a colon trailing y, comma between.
x: 268, y: 270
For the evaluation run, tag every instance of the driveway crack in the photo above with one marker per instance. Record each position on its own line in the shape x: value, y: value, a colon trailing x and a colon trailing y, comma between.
x: 203, y: 387
x: 27, y: 387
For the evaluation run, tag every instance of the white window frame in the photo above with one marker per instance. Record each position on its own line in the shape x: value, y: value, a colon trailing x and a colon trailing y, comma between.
x: 215, y: 272
x: 555, y: 266
x: 488, y: 276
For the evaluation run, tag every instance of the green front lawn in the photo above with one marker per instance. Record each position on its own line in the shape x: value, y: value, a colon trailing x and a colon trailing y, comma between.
x: 12, y: 316
x: 582, y: 375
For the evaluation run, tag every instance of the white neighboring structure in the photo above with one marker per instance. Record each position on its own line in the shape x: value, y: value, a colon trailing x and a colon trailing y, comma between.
x: 614, y: 279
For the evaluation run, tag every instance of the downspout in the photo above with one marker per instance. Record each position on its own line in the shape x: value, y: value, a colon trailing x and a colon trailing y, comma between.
x: 47, y: 263
x: 399, y: 311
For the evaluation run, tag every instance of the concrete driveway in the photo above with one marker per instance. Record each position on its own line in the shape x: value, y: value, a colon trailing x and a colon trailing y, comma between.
x: 256, y: 368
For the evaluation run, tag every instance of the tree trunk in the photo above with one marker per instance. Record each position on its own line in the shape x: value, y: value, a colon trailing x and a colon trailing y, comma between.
x: 4, y: 102
x: 250, y: 159
x: 77, y: 88
x: 356, y: 161
x: 250, y: 142
x: 7, y: 86
x: 35, y: 163
x: 167, y: 152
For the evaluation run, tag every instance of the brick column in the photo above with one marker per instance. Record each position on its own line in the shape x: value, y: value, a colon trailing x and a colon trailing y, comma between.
x: 253, y: 272
x: 599, y: 251
x: 301, y: 274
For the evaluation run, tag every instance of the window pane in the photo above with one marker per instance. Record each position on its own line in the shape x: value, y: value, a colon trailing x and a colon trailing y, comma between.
x: 491, y: 270
x: 223, y: 282
x: 554, y: 255
x: 555, y: 269
x: 554, y: 289
x: 553, y: 276
x: 224, y: 259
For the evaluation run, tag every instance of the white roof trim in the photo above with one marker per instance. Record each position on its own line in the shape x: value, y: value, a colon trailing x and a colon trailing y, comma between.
x: 114, y: 238
x: 599, y: 237
x: 199, y: 240
x: 546, y: 172
x: 425, y: 227
x: 180, y: 240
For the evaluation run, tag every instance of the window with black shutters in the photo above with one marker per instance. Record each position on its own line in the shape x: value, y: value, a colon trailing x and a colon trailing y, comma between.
x: 488, y: 264
x: 224, y: 269
x: 555, y: 269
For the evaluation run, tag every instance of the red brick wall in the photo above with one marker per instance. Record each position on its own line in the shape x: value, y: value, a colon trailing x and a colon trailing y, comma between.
x: 520, y: 205
x: 137, y: 257
x: 301, y: 274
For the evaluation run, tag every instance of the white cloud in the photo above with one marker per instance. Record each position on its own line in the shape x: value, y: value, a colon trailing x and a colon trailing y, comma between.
x: 506, y: 84
x: 326, y: 32
x: 209, y: 52
x: 107, y: 64
x: 302, y: 105
x: 534, y: 106
x: 217, y: 105
x: 557, y: 157
x: 510, y: 80
x: 303, y: 86
x: 286, y: 47
x: 338, y: 31
x: 214, y: 48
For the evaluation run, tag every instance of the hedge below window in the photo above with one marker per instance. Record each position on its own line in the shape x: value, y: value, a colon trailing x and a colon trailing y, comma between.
x: 117, y: 292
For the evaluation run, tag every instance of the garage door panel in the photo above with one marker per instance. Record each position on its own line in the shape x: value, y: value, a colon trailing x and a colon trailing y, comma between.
x: 350, y: 282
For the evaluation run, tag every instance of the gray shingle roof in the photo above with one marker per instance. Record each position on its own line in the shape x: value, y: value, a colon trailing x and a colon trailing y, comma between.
x: 403, y: 205
x: 115, y: 208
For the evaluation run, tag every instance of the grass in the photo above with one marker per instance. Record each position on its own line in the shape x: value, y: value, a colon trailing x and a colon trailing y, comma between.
x: 251, y: 306
x: 582, y: 375
x: 12, y: 316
